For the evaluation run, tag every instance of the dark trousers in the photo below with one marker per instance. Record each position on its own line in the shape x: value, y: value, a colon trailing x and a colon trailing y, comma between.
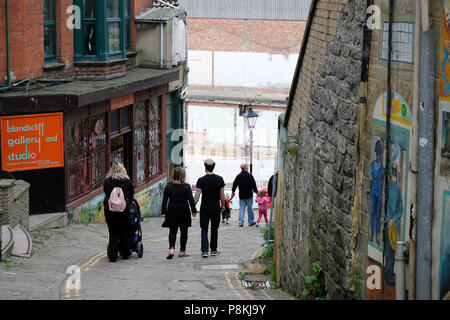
x: 118, y: 234
x: 205, y: 217
x: 183, y: 237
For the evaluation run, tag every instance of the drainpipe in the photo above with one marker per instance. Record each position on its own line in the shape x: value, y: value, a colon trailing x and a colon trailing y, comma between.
x: 161, y: 59
x: 388, y: 129
x: 414, y: 146
x: 8, y: 67
x: 426, y: 163
x: 401, y: 252
x: 425, y: 16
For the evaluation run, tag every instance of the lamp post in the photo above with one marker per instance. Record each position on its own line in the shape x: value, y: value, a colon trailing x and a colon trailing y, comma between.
x: 250, y: 119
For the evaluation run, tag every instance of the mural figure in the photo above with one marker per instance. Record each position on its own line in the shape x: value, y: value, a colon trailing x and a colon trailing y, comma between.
x: 394, y: 214
x: 445, y: 145
x: 376, y: 179
x: 446, y: 134
x: 445, y: 273
x: 445, y: 50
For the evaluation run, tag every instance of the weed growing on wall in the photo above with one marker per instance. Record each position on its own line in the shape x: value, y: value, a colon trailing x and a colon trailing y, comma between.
x: 314, y: 287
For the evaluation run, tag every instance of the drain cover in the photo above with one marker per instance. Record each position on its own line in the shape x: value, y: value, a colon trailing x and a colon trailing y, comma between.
x: 220, y: 266
x: 256, y: 284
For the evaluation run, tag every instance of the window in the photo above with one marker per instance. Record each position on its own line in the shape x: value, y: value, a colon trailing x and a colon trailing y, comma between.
x: 89, y: 28
x: 127, y: 22
x: 155, y: 136
x: 87, y: 152
x: 50, y: 30
x: 140, y: 142
x: 147, y: 140
x: 105, y: 33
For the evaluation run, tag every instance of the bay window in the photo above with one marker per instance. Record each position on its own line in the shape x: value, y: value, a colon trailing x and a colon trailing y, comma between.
x: 104, y: 33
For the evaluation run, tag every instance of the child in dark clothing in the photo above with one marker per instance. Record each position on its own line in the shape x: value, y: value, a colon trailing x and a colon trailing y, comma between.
x: 226, y: 214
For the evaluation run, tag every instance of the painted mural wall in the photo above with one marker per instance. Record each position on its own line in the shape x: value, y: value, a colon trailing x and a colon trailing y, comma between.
x: 441, y: 223
x: 149, y: 199
x: 386, y: 226
x: 388, y: 221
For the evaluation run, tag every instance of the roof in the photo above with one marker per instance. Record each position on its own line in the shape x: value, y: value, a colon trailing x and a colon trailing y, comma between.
x: 158, y: 15
x: 296, y: 10
x: 79, y: 93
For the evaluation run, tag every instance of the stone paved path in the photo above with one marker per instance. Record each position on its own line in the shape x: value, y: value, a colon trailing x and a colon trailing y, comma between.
x: 44, y: 275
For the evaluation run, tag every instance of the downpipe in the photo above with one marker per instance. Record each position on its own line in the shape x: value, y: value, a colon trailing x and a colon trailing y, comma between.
x: 8, y: 67
x: 401, y: 259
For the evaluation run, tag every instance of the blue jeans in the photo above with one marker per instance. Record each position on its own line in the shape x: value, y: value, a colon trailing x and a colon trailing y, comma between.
x: 246, y: 203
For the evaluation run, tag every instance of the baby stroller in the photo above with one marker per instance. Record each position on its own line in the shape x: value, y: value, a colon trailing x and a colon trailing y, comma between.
x: 134, y: 229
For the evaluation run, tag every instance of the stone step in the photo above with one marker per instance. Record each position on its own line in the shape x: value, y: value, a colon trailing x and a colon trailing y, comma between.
x: 48, y: 221
x: 7, y: 241
x: 22, y: 242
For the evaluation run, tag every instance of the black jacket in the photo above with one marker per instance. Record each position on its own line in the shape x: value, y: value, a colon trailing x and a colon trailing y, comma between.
x: 175, y: 206
x: 127, y: 186
x: 246, y: 184
x: 178, y: 196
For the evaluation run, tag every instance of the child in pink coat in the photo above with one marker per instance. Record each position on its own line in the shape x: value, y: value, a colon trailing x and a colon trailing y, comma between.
x: 262, y: 201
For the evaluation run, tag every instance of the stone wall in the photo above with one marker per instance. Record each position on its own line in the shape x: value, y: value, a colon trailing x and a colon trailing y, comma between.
x: 14, y: 203
x: 322, y: 126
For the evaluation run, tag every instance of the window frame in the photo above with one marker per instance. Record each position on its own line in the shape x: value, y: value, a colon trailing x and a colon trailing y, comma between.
x: 51, y: 24
x: 102, y: 22
x: 87, y: 159
x: 127, y: 24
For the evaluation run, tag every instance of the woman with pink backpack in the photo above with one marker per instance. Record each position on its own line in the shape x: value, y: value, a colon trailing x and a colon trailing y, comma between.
x: 119, y: 191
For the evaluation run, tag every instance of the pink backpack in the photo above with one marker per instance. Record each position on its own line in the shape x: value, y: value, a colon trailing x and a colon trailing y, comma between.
x: 117, y: 201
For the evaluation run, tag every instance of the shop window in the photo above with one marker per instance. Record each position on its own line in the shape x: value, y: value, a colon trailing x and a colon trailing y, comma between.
x: 114, y: 121
x: 140, y: 142
x: 125, y: 117
x: 49, y: 30
x: 155, y: 136
x: 87, y: 152
x: 99, y: 148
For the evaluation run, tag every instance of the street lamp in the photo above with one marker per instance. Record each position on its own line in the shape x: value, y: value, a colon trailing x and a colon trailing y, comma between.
x: 250, y: 119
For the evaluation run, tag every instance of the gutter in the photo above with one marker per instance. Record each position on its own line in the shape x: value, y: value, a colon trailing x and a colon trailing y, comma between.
x: 8, y: 67
x: 312, y: 10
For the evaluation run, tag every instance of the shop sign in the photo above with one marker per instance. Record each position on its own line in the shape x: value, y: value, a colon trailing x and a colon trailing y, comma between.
x: 33, y: 141
x: 122, y: 101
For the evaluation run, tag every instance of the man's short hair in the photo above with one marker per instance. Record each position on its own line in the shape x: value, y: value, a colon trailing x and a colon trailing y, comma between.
x: 209, y: 165
x: 244, y: 166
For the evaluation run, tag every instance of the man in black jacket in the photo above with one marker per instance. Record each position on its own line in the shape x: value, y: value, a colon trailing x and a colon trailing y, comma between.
x: 247, y: 186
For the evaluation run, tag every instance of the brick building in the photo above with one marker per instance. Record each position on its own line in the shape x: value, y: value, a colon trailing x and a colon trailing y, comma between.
x: 353, y: 185
x: 71, y: 66
x: 230, y: 41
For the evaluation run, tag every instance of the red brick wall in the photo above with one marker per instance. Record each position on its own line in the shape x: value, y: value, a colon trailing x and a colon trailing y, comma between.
x: 65, y: 35
x: 27, y: 39
x: 234, y: 35
x: 142, y: 5
x: 271, y: 36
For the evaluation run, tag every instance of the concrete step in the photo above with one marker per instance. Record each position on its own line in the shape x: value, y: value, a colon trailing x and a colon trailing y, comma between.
x: 7, y: 241
x: 48, y: 221
x: 22, y: 242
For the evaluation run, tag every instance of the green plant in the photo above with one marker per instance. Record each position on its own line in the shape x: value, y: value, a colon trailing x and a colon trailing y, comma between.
x: 265, y: 232
x: 268, y: 250
x: 242, y: 275
x: 271, y: 270
x: 292, y: 145
x: 354, y: 277
x: 314, y: 287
